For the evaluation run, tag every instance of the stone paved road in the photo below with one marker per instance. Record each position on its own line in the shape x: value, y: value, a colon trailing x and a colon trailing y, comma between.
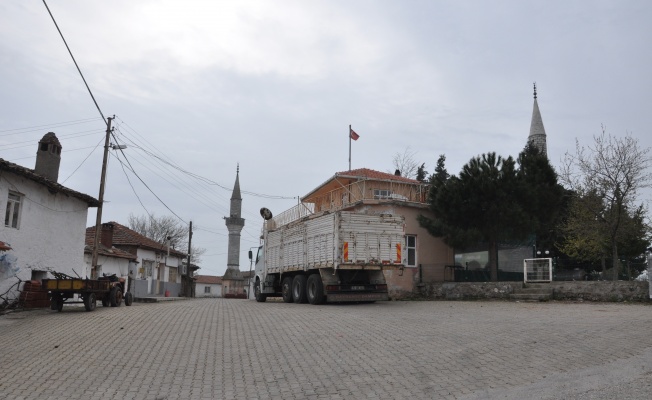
x: 239, y: 349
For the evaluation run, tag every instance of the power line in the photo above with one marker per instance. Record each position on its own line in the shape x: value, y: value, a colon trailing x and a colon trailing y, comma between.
x: 38, y: 128
x: 75, y: 61
x: 82, y: 163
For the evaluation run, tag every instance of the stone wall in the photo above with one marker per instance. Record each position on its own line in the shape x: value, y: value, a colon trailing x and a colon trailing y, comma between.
x: 574, y: 290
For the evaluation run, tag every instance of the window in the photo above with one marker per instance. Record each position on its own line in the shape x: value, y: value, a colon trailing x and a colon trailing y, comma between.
x: 382, y: 193
x: 13, y: 210
x: 207, y: 289
x: 411, y: 250
x: 173, y: 274
x: 147, y: 266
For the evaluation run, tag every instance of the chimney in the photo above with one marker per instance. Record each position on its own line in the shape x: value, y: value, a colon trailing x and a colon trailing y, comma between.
x: 397, y: 172
x: 48, y: 157
x: 107, y: 235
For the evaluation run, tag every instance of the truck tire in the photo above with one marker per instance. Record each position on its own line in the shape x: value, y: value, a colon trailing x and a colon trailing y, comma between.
x: 299, y: 289
x: 115, y: 296
x: 315, y: 289
x: 286, y: 289
x: 259, y: 296
x: 90, y: 300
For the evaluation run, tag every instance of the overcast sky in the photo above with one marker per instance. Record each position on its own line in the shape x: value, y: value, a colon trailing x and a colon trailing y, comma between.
x: 274, y: 85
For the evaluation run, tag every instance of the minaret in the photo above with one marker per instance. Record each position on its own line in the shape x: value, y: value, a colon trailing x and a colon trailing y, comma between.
x: 234, y: 223
x: 537, y: 132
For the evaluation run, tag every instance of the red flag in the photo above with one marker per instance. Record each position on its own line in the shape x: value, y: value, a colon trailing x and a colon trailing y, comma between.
x: 354, y: 135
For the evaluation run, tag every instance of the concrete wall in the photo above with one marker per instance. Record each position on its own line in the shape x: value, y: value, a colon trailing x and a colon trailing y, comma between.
x: 574, y: 290
x: 51, y: 231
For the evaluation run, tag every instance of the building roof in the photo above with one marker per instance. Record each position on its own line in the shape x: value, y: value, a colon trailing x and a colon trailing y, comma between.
x: 105, y: 251
x: 236, y: 187
x: 208, y: 279
x: 123, y: 236
x: 364, y: 174
x: 53, y: 187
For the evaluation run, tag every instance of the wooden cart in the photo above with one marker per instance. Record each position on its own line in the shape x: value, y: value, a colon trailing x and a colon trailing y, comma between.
x: 109, y: 289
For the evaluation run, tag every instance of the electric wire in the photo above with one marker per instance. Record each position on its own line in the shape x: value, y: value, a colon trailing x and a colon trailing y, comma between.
x: 39, y: 128
x: 82, y: 163
x: 75, y: 61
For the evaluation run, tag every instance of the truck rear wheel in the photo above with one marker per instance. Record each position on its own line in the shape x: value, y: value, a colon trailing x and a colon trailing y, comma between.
x: 315, y: 289
x: 299, y: 289
x: 259, y: 296
x: 286, y: 289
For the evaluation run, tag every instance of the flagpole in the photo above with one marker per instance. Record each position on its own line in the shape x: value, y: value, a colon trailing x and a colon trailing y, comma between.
x: 349, y: 147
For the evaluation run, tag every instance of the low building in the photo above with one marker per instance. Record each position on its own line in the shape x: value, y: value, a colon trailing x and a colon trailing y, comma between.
x: 44, y: 220
x: 208, y: 286
x: 159, y: 268
x: 111, y: 260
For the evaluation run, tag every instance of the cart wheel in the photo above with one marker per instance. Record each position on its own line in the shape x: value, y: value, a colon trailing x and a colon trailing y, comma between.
x: 129, y: 299
x: 105, y: 301
x: 90, y: 301
x: 116, y: 297
x: 57, y: 302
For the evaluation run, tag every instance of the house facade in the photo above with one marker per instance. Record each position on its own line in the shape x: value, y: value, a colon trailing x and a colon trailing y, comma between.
x: 44, y: 221
x: 368, y: 191
x: 111, y: 260
x: 157, y: 269
x: 208, y: 286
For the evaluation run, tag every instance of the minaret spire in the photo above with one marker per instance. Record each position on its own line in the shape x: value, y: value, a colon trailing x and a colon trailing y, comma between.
x: 537, y: 136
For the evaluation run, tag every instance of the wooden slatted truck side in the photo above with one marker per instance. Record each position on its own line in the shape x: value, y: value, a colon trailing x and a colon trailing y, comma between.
x: 334, y: 257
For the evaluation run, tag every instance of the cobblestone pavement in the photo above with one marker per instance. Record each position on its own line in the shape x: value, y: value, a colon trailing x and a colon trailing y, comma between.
x: 240, y: 349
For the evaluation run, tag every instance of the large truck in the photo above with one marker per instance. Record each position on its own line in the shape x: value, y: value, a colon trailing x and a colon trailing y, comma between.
x: 333, y: 257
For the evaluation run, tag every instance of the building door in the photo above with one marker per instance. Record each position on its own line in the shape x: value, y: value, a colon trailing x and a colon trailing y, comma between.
x: 160, y: 284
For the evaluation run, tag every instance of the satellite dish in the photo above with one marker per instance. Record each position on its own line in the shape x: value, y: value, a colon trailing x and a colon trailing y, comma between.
x: 265, y: 213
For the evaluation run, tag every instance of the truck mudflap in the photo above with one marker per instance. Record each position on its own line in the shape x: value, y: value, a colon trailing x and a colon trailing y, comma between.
x: 368, y: 292
x: 339, y: 297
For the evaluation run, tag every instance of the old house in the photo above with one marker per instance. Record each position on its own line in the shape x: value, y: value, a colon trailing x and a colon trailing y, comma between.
x: 367, y: 191
x: 158, y: 268
x: 44, y: 221
x: 111, y: 260
x: 208, y: 286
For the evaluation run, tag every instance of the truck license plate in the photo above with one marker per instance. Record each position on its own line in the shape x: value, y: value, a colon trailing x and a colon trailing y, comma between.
x: 357, y: 287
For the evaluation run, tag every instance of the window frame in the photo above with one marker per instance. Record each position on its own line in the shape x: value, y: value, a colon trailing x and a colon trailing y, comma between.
x: 409, y: 249
x: 13, y: 210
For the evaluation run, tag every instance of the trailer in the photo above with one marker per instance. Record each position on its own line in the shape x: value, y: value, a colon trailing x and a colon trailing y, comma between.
x: 332, y: 257
x: 109, y: 289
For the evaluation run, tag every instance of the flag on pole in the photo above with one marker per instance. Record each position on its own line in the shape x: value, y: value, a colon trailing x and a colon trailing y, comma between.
x: 354, y: 135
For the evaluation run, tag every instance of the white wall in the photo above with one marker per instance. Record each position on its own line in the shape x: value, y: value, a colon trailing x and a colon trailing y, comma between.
x: 51, y: 230
x: 216, y: 290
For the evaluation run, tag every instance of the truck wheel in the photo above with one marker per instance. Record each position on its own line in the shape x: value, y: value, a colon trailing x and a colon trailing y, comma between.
x: 116, y: 297
x: 89, y: 301
x: 315, y: 289
x: 129, y: 299
x: 299, y: 289
x: 259, y: 296
x: 286, y: 289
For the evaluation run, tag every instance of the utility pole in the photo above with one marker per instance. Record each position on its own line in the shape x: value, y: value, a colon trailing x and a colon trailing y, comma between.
x: 98, y: 220
x: 188, y: 270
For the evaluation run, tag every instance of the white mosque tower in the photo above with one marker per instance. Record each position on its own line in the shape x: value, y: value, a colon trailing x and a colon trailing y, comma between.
x: 537, y: 132
x: 233, y: 281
